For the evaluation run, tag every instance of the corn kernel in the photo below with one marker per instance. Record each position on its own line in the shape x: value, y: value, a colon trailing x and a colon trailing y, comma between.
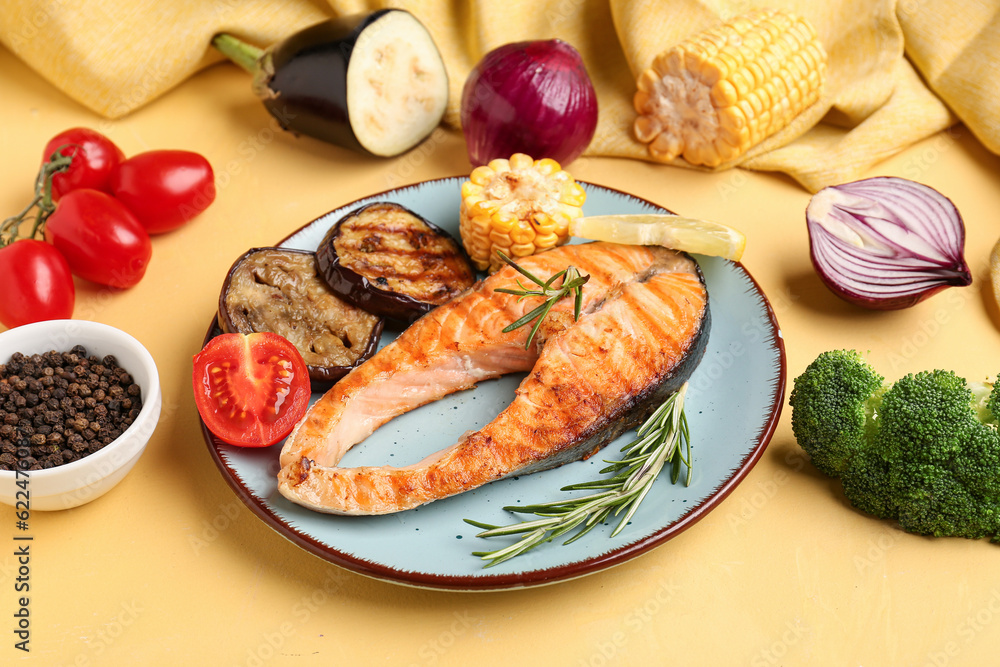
x: 543, y: 224
x: 522, y: 249
x: 480, y: 176
x: 547, y: 166
x: 498, y: 166
x: 520, y: 161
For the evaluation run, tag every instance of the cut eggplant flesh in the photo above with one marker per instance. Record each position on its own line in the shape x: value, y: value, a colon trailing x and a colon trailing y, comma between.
x: 397, y: 87
x: 278, y: 290
x: 375, y: 81
x: 392, y: 262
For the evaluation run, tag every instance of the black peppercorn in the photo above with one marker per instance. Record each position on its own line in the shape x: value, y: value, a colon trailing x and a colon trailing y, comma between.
x: 60, y: 406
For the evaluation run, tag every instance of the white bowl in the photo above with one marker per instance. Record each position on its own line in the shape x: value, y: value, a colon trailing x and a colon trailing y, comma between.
x: 90, y: 477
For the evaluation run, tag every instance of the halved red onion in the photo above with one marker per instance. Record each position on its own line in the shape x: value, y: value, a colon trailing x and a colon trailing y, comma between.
x: 529, y: 97
x: 886, y: 242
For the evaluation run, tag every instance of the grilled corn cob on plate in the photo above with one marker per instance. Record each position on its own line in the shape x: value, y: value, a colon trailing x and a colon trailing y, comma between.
x: 519, y: 206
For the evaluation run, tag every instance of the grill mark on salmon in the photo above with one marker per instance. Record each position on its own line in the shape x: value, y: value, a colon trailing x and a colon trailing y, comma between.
x: 643, y: 330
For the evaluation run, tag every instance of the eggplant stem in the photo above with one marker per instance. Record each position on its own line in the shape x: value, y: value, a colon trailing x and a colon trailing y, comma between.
x: 243, y: 54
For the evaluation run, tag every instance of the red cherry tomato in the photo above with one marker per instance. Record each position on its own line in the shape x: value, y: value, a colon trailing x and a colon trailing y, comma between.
x: 36, y: 284
x: 100, y: 239
x: 164, y: 189
x: 94, y: 157
x: 250, y: 389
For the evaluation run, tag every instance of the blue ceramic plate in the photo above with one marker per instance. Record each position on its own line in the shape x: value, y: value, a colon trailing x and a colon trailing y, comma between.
x: 734, y: 400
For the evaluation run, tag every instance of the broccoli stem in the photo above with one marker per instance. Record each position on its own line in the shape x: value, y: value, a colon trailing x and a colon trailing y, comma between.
x: 981, y: 392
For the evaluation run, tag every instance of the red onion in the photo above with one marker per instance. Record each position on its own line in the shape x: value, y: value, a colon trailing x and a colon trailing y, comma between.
x: 529, y: 97
x: 886, y: 242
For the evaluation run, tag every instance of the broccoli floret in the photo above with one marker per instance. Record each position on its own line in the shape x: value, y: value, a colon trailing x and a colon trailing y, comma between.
x: 945, y: 461
x: 832, y: 406
x: 925, y: 450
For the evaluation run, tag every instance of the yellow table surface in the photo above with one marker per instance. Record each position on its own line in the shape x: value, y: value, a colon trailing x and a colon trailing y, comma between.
x: 171, y: 568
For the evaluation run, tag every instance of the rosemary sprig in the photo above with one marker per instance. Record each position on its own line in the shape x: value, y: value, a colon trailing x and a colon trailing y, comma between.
x: 662, y: 439
x: 572, y: 283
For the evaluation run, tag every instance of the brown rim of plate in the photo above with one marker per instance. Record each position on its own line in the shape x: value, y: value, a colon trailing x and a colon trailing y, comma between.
x: 496, y: 582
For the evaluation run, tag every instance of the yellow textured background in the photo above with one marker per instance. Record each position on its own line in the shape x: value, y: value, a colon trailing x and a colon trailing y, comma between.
x: 170, y: 568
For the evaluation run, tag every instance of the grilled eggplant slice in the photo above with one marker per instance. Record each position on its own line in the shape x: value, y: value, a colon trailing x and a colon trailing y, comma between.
x: 388, y: 260
x: 278, y: 290
x: 372, y: 82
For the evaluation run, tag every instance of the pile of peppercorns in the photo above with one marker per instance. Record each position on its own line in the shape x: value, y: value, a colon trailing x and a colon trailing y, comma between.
x: 58, y: 407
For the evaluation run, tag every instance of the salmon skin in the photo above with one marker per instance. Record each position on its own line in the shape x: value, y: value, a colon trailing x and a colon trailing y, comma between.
x: 643, y: 329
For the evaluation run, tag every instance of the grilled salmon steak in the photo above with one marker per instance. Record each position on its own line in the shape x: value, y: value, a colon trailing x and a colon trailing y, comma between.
x: 643, y: 328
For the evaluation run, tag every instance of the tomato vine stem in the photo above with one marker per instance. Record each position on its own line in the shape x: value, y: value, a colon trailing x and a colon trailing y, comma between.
x: 41, y: 203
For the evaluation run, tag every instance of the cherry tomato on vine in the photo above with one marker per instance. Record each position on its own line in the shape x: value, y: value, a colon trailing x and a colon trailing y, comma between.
x: 164, y: 188
x: 100, y: 238
x: 94, y: 158
x: 35, y: 284
x: 250, y: 389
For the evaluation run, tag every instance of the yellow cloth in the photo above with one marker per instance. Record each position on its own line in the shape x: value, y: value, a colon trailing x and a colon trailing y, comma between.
x: 115, y: 56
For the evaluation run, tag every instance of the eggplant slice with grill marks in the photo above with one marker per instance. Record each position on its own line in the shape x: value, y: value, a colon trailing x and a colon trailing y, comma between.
x: 278, y: 290
x: 389, y: 261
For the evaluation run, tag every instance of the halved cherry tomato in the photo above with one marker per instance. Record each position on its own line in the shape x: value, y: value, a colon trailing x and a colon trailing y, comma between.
x: 35, y: 284
x: 100, y: 238
x: 250, y: 389
x: 164, y: 188
x: 94, y: 157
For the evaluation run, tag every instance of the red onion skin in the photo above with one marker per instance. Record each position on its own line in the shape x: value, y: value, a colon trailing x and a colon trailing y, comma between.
x: 892, y: 303
x: 529, y: 97
x: 958, y: 276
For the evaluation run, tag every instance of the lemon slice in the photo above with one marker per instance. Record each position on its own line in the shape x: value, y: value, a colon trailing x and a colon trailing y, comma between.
x: 671, y: 231
x: 995, y: 272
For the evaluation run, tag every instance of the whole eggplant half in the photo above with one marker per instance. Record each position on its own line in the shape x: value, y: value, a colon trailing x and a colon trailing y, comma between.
x: 392, y: 262
x: 278, y: 290
x: 372, y: 82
